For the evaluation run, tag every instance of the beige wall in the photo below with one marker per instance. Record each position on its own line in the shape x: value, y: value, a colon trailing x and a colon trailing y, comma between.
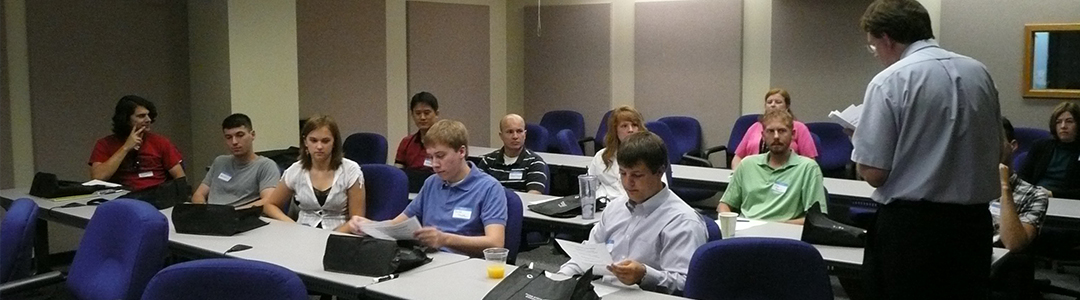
x: 449, y: 56
x: 688, y: 58
x: 6, y: 180
x: 341, y: 55
x: 208, y: 45
x: 82, y: 57
x: 992, y: 32
x: 568, y: 64
x: 819, y: 55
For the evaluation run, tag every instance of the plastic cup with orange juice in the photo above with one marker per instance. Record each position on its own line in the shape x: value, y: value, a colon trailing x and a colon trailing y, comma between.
x: 496, y: 258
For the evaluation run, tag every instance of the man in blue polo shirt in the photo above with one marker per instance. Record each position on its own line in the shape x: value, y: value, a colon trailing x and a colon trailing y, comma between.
x: 462, y: 210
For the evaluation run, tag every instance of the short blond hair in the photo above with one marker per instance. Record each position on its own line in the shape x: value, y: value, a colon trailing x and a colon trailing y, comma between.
x: 777, y: 115
x: 447, y: 132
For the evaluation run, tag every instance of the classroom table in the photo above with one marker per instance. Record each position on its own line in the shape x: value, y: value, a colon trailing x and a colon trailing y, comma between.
x: 834, y: 256
x: 296, y: 247
x: 467, y: 280
x: 532, y: 217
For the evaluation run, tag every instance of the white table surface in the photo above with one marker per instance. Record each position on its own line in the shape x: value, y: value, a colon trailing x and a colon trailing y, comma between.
x: 1063, y: 208
x: 528, y: 199
x: 467, y: 280
x: 296, y: 247
x: 845, y: 255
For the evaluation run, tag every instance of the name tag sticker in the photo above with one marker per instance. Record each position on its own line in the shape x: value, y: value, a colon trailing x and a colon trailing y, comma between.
x: 779, y: 187
x: 146, y: 174
x: 462, y: 213
x: 427, y: 162
x: 995, y: 209
x: 224, y: 177
x: 516, y: 174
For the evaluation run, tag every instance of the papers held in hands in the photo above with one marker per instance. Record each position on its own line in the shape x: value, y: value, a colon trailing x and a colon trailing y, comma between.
x: 588, y: 255
x: 386, y: 230
x: 849, y: 118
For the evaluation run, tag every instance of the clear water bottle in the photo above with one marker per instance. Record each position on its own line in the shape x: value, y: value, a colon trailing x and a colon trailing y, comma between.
x: 587, y: 185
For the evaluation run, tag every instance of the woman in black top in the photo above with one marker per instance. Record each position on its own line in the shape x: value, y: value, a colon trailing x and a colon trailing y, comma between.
x: 1055, y: 163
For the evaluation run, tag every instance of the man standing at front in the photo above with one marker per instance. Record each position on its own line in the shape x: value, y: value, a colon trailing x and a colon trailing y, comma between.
x: 929, y: 140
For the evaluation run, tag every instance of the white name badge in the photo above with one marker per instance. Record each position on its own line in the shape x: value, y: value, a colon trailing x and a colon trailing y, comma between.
x: 146, y: 174
x: 779, y: 187
x: 515, y: 174
x: 462, y: 213
x: 995, y: 209
x: 224, y: 177
x: 427, y: 162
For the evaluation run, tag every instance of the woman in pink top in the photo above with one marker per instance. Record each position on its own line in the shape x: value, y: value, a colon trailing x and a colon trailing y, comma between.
x: 802, y: 142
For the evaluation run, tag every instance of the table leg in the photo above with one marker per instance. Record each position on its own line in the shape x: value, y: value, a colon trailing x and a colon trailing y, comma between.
x: 41, y: 247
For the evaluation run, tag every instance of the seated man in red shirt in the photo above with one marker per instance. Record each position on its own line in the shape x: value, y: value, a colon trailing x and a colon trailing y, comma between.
x: 411, y: 156
x: 133, y: 156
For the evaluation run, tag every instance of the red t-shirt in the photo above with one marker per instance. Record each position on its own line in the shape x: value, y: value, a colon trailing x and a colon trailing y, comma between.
x: 154, y: 159
x: 411, y: 153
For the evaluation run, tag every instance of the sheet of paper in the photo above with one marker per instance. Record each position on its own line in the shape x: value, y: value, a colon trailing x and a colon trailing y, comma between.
x: 101, y: 182
x: 603, y: 287
x: 385, y: 230
x: 588, y: 254
x: 849, y: 118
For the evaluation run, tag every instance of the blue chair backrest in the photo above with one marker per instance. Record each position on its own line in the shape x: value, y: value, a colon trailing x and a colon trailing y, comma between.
x: 124, y: 245
x: 686, y: 132
x: 742, y: 124
x: 757, y: 268
x: 833, y: 145
x: 565, y: 143
x: 225, y: 278
x: 536, y: 137
x: 712, y: 228
x: 1019, y: 159
x: 17, y: 239
x: 664, y: 132
x: 387, y: 190
x: 365, y: 148
x: 601, y: 131
x: 1026, y: 136
x: 514, y: 219
x: 558, y: 120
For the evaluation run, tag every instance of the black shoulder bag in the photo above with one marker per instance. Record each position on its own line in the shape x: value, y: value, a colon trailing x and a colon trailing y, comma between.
x: 368, y: 256
x: 820, y: 230
x: 530, y: 284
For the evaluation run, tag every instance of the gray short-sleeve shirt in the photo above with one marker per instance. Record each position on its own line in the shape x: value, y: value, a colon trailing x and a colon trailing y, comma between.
x: 933, y: 120
x: 238, y: 184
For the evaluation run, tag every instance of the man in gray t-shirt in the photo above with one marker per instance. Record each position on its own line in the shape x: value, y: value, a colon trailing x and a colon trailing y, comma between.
x: 242, y: 177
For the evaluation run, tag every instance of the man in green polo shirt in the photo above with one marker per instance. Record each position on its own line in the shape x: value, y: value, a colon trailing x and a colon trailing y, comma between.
x: 778, y: 185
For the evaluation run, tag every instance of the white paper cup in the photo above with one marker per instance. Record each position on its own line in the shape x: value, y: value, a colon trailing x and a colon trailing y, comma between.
x: 727, y: 223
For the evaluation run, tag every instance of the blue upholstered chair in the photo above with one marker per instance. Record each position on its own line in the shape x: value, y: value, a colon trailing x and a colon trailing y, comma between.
x: 17, y: 240
x: 712, y: 228
x: 757, y: 268
x: 834, y: 148
x: 124, y: 245
x: 225, y: 278
x: 557, y: 120
x: 387, y: 190
x: 742, y: 124
x: 365, y: 148
x: 601, y: 132
x: 537, y: 138
x: 565, y: 143
x: 514, y: 219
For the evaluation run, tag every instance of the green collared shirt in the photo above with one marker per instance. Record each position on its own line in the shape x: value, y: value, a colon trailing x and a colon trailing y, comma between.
x: 781, y: 194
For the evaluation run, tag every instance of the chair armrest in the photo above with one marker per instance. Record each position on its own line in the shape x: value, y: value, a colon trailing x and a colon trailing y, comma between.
x: 32, y: 283
x: 710, y: 151
x: 690, y: 160
x: 582, y: 141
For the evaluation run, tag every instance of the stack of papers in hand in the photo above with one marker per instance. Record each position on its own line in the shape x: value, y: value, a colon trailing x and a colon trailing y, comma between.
x: 849, y: 118
x: 588, y: 255
x: 386, y: 230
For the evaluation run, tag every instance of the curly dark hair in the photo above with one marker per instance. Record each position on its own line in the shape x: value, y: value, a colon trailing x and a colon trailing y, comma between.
x: 904, y: 21
x: 121, y: 119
